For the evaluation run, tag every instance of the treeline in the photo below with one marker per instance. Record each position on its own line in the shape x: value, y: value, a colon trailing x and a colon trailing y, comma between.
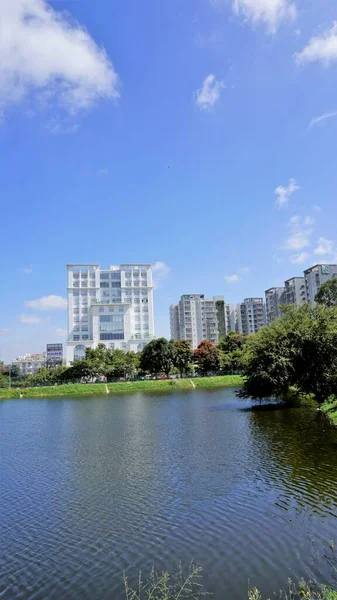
x: 160, y: 357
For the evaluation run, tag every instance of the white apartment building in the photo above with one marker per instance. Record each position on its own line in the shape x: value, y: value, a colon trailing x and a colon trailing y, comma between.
x: 252, y: 315
x: 275, y: 296
x: 112, y: 306
x: 30, y: 363
x: 295, y: 291
x: 315, y: 277
x: 194, y: 319
x: 233, y: 318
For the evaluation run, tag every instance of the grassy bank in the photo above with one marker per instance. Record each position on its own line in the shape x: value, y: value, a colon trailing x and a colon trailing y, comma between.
x: 330, y: 409
x: 123, y: 387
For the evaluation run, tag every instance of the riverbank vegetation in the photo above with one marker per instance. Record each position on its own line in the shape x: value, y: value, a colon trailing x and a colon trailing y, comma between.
x: 148, y: 386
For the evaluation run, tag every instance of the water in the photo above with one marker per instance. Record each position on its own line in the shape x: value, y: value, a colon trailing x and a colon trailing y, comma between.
x: 94, y: 487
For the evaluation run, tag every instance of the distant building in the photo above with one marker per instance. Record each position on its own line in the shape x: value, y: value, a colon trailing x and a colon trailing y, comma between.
x: 54, y: 355
x: 194, y: 319
x: 111, y: 306
x: 295, y: 291
x: 30, y: 363
x: 174, y: 322
x: 275, y: 296
x: 315, y: 277
x: 233, y: 318
x: 252, y: 315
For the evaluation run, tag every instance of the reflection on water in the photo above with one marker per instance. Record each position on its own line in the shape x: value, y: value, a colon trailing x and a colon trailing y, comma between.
x: 94, y: 487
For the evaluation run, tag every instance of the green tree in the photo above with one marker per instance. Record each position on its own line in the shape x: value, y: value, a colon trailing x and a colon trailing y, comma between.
x: 327, y: 294
x: 299, y: 349
x: 183, y: 356
x: 207, y: 357
x: 157, y: 356
x: 232, y: 341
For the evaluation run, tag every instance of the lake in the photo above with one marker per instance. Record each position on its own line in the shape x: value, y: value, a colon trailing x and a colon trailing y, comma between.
x: 98, y: 486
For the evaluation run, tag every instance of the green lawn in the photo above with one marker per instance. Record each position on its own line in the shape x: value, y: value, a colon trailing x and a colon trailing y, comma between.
x: 123, y: 387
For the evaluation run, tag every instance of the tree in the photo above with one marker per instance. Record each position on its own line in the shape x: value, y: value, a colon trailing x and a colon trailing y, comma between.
x: 327, y: 294
x: 207, y: 357
x: 157, y: 356
x: 232, y: 341
x: 299, y: 349
x: 183, y: 356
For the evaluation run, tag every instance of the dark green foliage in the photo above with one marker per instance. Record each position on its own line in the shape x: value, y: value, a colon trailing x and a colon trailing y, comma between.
x: 299, y: 349
x: 157, y: 356
x: 327, y: 295
x: 183, y: 356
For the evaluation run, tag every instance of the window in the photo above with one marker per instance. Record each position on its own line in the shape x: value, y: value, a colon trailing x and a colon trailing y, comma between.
x: 144, y: 300
x: 85, y: 337
x: 106, y: 293
x: 101, y: 310
x: 111, y: 309
x: 111, y: 336
x: 84, y: 328
x: 104, y: 284
x: 76, y: 338
x: 121, y: 310
x: 104, y: 276
x: 92, y: 293
x: 115, y: 284
x: 79, y: 352
x: 92, y: 275
x: 76, y: 293
x: 85, y: 311
x: 115, y: 276
x: 144, y: 292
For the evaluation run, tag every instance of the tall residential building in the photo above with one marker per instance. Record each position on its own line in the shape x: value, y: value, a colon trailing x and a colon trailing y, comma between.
x: 252, y: 315
x: 275, y: 296
x: 295, y: 291
x: 30, y: 363
x: 194, y: 319
x: 112, y: 306
x: 233, y: 318
x: 315, y: 277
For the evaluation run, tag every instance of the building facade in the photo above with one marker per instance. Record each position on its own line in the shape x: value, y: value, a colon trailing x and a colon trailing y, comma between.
x: 315, y: 277
x: 29, y: 364
x: 112, y: 306
x: 275, y: 296
x: 54, y: 355
x: 233, y: 318
x: 252, y: 315
x: 295, y: 291
x: 194, y: 319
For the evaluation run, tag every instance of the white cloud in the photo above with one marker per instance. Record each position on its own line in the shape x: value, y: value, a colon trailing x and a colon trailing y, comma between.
x: 160, y: 271
x: 309, y: 220
x: 57, y: 126
x: 245, y: 270
x: 299, y: 258
x: 209, y: 93
x: 283, y: 193
x: 321, y: 48
x: 43, y: 52
x: 47, y: 303
x: 325, y: 247
x: 232, y: 278
x: 27, y: 270
x: 324, y: 117
x: 316, y: 208
x: 4, y: 332
x: 61, y: 332
x: 29, y: 319
x: 266, y: 12
x: 300, y: 233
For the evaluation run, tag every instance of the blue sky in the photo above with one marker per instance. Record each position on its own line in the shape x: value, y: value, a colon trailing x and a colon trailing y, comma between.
x: 198, y: 135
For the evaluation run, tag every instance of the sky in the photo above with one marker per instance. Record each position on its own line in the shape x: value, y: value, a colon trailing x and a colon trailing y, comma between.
x: 199, y: 136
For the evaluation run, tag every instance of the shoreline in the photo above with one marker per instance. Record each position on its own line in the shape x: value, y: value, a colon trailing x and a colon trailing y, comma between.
x: 89, y: 389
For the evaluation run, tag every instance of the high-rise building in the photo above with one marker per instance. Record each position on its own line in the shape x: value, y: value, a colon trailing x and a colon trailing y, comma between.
x: 233, y: 318
x: 295, y: 291
x: 112, y: 306
x: 194, y: 319
x: 252, y: 315
x: 315, y: 277
x: 275, y: 296
x: 29, y: 364
x: 54, y: 355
